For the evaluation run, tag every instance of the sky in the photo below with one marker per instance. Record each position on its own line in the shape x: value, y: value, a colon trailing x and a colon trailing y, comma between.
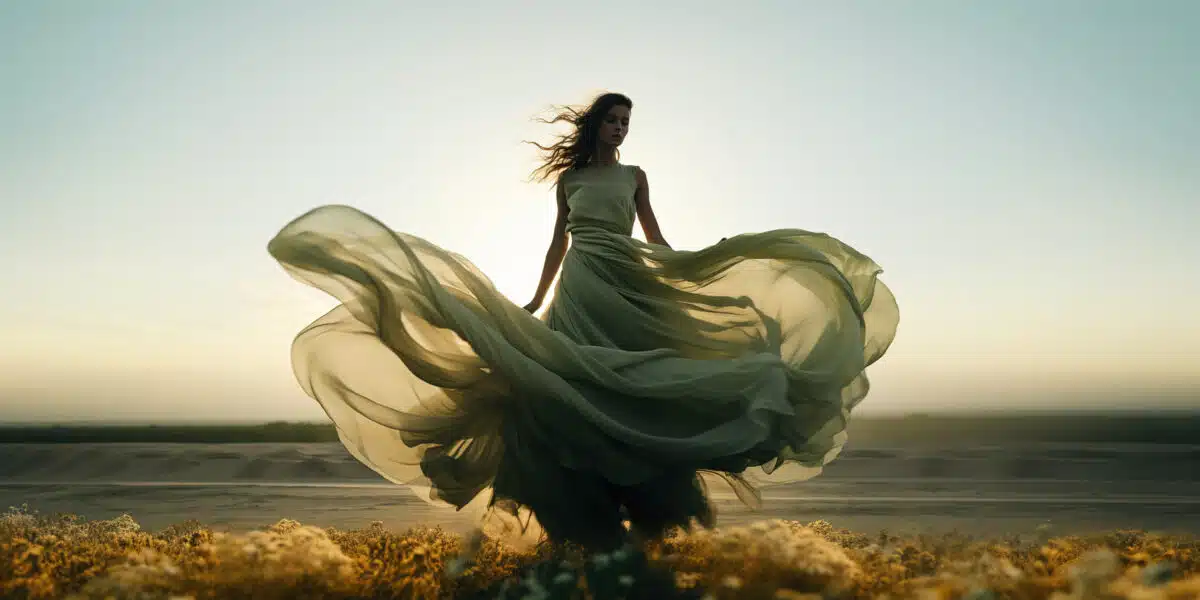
x: 1025, y: 172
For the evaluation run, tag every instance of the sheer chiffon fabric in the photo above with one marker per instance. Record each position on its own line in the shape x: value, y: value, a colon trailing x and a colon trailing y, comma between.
x: 740, y: 362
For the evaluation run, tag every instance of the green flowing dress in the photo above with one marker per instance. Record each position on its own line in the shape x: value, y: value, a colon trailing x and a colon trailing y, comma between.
x: 651, y: 372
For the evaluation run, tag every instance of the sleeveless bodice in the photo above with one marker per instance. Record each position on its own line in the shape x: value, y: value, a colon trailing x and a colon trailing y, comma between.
x: 601, y: 198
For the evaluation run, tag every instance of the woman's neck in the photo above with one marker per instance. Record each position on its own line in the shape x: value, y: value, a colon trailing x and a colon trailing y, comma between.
x: 605, y: 156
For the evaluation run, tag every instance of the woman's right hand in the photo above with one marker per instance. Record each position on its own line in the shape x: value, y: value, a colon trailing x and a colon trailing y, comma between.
x: 533, y: 306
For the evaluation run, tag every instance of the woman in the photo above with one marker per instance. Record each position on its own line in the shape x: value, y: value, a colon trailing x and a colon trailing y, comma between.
x: 651, y: 366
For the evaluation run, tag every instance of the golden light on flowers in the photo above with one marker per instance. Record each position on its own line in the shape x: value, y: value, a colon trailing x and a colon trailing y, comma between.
x: 67, y: 557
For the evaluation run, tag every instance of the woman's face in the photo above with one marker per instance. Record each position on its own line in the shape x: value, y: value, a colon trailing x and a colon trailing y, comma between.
x: 615, y: 126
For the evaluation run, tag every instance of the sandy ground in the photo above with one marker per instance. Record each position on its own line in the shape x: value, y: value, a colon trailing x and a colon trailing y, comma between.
x: 992, y: 490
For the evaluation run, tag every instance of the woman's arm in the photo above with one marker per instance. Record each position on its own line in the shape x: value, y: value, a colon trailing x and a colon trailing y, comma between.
x: 645, y: 213
x: 554, y: 254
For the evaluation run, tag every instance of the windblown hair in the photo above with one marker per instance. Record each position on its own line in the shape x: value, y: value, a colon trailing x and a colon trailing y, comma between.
x: 574, y: 150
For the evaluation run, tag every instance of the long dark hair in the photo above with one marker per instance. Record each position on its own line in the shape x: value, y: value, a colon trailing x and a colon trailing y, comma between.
x: 574, y: 150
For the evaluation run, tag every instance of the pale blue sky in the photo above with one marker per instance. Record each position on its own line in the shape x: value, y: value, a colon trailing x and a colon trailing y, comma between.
x: 1026, y: 172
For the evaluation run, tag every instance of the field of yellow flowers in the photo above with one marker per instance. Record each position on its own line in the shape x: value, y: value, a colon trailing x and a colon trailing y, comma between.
x: 68, y: 557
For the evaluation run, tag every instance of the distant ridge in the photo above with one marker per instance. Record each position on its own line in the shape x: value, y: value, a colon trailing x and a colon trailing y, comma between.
x: 1182, y: 427
x: 274, y: 432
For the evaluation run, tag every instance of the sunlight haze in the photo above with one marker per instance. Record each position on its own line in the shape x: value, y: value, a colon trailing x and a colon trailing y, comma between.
x: 1026, y: 173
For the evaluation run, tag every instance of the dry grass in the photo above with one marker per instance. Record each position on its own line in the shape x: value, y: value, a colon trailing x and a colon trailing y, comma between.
x: 64, y: 556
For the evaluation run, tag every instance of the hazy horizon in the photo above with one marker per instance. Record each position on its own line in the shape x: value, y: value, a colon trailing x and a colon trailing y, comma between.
x: 1025, y: 173
x: 1000, y: 412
